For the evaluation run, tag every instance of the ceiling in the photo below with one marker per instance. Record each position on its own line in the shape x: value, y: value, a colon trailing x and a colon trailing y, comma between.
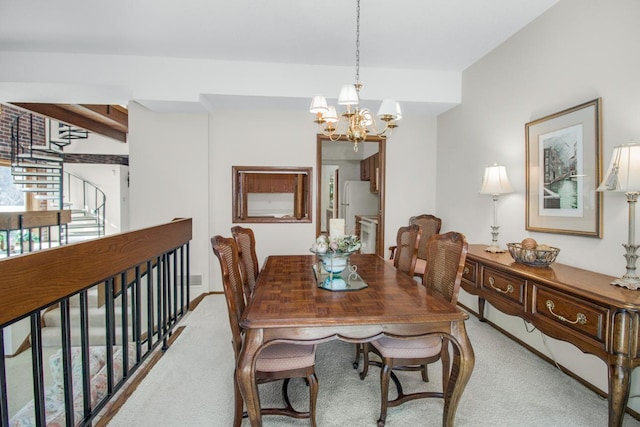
x: 417, y: 34
x: 435, y: 35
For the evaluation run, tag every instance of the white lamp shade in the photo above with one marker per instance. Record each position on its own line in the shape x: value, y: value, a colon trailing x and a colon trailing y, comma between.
x: 348, y: 95
x: 318, y: 104
x: 624, y: 171
x: 389, y: 107
x: 495, y: 180
x: 330, y: 116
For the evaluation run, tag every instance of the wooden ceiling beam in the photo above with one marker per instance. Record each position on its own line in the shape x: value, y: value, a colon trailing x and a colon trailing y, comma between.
x: 105, y: 121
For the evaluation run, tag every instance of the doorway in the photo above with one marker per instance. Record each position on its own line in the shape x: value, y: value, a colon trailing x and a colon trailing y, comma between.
x: 337, y: 163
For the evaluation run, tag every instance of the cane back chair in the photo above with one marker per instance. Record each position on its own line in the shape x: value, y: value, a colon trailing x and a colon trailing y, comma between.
x: 275, y: 362
x: 406, y: 252
x: 246, y: 243
x: 446, y: 255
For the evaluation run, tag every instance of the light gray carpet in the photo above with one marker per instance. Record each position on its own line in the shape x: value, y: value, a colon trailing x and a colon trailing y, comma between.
x: 192, y: 386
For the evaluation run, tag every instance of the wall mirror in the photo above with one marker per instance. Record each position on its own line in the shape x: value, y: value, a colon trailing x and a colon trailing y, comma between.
x: 271, y: 194
x: 351, y: 186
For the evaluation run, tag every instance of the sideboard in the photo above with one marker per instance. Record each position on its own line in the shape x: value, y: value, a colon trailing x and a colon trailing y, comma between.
x: 566, y: 303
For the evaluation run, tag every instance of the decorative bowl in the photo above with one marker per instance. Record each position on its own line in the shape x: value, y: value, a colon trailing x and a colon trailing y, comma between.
x: 334, y: 262
x: 533, y: 257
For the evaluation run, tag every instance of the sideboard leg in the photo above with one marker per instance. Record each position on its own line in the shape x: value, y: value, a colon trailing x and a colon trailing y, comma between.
x: 481, y: 309
x: 624, y: 345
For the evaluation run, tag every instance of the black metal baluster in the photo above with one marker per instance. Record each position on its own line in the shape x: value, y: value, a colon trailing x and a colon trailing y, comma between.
x: 109, y: 292
x: 4, y: 406
x: 174, y: 286
x: 160, y: 297
x: 150, y: 325
x: 84, y: 345
x: 188, y: 275
x: 124, y: 303
x: 165, y: 301
x: 65, y: 321
x: 137, y: 315
x: 37, y: 368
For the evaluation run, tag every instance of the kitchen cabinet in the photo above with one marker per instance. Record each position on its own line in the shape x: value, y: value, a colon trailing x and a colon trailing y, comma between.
x: 370, y: 171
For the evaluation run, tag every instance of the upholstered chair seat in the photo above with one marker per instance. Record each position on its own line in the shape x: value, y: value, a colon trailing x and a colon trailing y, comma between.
x: 408, y: 348
x: 286, y: 357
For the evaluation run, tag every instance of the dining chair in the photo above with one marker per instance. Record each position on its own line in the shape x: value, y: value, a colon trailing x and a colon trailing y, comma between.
x: 279, y: 361
x: 446, y: 255
x: 406, y: 253
x: 407, y: 244
x: 430, y: 225
x: 246, y: 243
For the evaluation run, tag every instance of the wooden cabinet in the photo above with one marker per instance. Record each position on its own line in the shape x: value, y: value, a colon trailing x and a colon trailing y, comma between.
x: 570, y: 304
x: 270, y: 183
x: 365, y: 169
x: 370, y: 171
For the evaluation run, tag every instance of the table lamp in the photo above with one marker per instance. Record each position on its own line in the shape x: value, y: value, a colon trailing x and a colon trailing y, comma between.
x: 495, y: 182
x: 623, y: 176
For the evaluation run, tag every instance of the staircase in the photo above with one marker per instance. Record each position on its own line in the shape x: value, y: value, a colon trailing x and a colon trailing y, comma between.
x: 37, y: 166
x: 51, y: 332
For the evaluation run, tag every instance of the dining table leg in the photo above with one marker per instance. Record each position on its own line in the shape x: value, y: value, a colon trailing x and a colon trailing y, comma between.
x: 461, y: 368
x: 246, y: 375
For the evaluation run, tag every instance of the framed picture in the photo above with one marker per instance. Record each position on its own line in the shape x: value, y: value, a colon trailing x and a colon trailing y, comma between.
x: 564, y: 168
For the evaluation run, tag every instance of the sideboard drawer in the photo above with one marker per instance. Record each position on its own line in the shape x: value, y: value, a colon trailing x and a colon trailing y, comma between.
x: 470, y: 272
x: 504, y: 285
x: 569, y: 312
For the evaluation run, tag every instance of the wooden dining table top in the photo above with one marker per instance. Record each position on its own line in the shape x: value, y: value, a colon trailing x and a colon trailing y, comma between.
x: 287, y: 295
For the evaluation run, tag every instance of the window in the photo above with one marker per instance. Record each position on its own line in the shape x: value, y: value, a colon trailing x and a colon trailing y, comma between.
x: 271, y: 194
x: 11, y: 196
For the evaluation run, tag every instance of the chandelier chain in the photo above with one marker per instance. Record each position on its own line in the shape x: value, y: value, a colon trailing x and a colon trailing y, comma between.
x: 357, y: 44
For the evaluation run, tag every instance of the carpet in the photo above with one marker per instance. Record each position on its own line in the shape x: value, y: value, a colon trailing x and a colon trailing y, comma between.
x: 191, y: 385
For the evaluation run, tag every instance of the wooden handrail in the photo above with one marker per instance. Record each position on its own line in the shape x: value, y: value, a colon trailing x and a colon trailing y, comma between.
x: 32, y: 219
x: 35, y: 280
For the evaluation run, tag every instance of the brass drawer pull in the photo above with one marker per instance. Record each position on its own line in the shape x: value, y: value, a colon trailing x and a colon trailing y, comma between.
x: 466, y: 270
x: 580, y: 318
x: 492, y: 283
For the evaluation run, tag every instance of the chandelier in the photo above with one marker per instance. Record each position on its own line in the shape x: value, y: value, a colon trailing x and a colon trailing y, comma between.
x: 356, y: 123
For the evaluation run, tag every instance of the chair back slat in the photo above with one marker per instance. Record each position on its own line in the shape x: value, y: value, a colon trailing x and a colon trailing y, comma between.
x: 430, y: 226
x: 446, y: 255
x: 226, y: 251
x: 246, y: 243
x: 407, y: 248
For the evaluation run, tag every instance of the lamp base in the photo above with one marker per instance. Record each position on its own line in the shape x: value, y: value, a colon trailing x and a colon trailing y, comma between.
x: 494, y: 249
x: 632, y: 283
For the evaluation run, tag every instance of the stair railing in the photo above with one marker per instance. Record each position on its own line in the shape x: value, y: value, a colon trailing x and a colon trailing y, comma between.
x: 152, y: 266
x: 93, y: 199
x: 28, y: 231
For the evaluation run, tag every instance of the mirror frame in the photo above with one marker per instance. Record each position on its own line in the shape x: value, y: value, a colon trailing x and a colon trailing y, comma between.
x: 382, y: 150
x: 239, y: 194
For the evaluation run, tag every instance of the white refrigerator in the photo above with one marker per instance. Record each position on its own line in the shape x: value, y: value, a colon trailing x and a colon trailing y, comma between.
x: 356, y: 199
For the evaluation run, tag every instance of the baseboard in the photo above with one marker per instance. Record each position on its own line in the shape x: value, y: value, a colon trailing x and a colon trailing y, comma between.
x: 547, y: 359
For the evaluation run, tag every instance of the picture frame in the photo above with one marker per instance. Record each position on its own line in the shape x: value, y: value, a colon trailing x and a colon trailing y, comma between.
x: 563, y: 171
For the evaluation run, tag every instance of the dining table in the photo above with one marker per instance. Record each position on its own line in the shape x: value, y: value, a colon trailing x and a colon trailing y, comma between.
x: 295, y: 301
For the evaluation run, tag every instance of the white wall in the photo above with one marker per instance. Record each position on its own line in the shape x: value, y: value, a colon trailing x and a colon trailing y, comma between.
x: 169, y: 176
x: 578, y: 51
x: 410, y: 159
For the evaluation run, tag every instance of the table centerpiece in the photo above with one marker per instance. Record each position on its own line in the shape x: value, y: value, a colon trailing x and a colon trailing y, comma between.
x: 334, y: 251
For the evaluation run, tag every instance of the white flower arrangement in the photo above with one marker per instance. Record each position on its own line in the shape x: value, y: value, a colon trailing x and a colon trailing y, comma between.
x: 336, y: 244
